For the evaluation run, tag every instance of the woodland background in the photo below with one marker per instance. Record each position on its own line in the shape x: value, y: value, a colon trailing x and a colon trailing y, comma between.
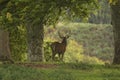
x: 91, y: 37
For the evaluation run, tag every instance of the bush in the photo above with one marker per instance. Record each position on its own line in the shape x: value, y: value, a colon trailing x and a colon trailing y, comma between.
x: 17, y: 34
x: 18, y: 43
x: 73, y: 52
x: 91, y: 60
x: 47, y: 50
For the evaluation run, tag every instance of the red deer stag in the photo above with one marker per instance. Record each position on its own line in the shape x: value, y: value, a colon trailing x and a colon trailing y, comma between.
x: 59, y: 47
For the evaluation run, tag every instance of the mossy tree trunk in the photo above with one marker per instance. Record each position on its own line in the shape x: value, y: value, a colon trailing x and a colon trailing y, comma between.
x: 115, y: 9
x: 5, y: 54
x: 35, y: 36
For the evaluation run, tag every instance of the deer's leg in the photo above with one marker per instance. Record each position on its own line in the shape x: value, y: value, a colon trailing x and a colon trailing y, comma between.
x: 62, y: 56
x: 59, y: 56
x: 53, y: 56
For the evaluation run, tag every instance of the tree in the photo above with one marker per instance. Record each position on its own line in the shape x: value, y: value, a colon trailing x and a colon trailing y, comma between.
x: 36, y: 14
x: 115, y: 9
x: 102, y: 15
x: 17, y: 32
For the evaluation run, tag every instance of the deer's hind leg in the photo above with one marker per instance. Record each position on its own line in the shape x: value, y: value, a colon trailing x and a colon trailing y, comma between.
x: 53, y: 56
x: 62, y: 55
x: 53, y: 52
x: 59, y: 56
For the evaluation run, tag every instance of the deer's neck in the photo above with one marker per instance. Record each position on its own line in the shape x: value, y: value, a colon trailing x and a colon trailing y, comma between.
x: 64, y: 41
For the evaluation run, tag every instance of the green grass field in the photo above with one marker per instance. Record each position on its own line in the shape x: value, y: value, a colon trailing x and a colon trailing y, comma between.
x: 63, y: 71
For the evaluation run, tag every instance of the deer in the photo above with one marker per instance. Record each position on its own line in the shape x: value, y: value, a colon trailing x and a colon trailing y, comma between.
x: 59, y: 47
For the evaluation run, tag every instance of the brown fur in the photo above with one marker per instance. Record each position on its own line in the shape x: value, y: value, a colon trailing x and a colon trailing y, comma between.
x: 59, y: 48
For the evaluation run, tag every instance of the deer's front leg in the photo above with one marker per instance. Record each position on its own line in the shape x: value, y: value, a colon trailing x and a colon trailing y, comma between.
x: 53, y: 56
x: 62, y: 56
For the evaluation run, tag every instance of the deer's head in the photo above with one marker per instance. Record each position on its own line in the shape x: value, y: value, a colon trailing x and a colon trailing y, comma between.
x: 63, y: 37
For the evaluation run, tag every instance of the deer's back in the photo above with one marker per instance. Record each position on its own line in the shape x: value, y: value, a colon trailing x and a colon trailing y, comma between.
x: 58, y: 47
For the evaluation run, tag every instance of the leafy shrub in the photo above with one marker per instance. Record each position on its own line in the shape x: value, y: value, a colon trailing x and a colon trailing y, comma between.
x: 92, y: 60
x: 18, y: 43
x: 17, y: 34
x: 47, y: 50
x: 73, y: 52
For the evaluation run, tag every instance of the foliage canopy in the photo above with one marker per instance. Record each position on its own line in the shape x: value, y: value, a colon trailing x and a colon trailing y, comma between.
x: 47, y: 11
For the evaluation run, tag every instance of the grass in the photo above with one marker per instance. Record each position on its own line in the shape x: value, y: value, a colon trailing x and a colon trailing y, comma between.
x: 64, y: 71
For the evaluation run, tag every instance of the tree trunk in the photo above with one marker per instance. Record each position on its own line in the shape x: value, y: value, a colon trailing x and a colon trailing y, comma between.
x: 35, y: 35
x: 115, y: 9
x: 5, y: 54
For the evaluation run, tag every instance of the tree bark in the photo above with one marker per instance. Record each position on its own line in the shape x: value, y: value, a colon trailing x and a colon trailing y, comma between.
x: 35, y: 36
x: 115, y: 11
x: 5, y: 54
